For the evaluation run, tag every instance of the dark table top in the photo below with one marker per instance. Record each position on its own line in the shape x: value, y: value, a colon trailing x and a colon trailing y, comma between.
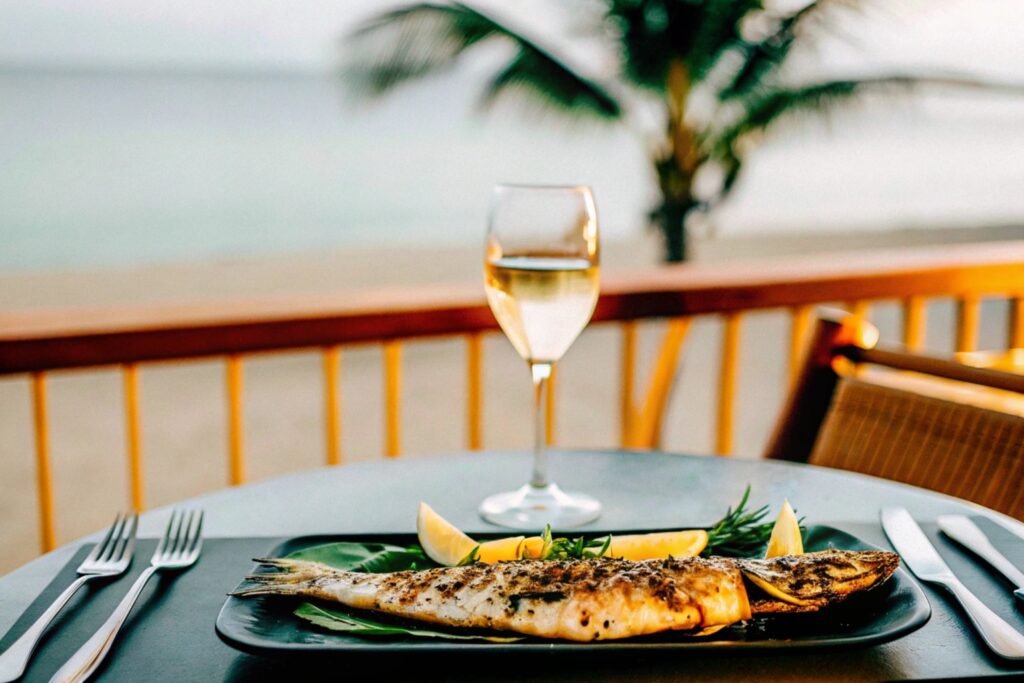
x: 639, y: 490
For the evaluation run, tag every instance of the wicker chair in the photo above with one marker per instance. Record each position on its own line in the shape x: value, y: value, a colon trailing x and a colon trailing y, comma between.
x: 916, y: 419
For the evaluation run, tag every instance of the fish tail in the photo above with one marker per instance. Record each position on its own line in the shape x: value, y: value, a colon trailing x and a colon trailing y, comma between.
x: 279, y: 562
x: 269, y: 590
x: 296, y: 579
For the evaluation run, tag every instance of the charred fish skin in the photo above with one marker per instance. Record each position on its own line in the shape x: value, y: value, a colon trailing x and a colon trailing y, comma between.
x: 579, y: 600
x: 816, y: 580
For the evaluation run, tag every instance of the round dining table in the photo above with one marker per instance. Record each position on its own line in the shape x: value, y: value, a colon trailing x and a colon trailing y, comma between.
x: 171, y: 634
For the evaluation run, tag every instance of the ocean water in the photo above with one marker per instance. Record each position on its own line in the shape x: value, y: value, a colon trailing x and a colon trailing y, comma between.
x: 106, y: 169
x: 109, y: 169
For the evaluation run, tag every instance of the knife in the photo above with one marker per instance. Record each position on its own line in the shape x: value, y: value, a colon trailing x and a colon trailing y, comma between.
x: 965, y: 532
x: 922, y: 558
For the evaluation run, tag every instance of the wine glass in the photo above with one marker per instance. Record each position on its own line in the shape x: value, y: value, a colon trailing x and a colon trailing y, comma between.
x: 541, y: 276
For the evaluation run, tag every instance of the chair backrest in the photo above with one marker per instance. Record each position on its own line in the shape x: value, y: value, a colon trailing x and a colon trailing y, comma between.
x: 916, y: 419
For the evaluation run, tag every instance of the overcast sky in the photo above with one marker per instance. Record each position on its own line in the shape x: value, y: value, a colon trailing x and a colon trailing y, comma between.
x: 979, y: 35
x: 242, y: 33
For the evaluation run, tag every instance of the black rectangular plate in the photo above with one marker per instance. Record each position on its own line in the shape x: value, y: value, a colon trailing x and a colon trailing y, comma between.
x: 266, y: 624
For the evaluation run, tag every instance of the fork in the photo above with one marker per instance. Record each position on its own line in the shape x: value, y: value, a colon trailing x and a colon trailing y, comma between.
x: 110, y: 557
x: 178, y: 549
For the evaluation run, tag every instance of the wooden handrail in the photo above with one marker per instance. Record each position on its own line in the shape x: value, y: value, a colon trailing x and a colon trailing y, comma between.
x: 947, y: 368
x: 47, y: 340
x: 36, y: 342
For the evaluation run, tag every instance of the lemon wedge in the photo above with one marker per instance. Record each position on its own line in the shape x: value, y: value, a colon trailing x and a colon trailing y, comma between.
x: 785, y: 539
x: 531, y: 548
x: 774, y: 592
x: 500, y: 549
x: 447, y: 545
x: 442, y: 541
x: 660, y: 544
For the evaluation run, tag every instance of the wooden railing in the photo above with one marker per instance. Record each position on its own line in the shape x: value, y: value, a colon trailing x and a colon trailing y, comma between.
x: 40, y: 342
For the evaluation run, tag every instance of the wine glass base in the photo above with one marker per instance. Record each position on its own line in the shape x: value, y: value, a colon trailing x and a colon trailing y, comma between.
x: 532, y: 507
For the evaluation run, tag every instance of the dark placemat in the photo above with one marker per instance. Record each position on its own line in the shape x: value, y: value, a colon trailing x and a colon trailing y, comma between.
x: 1007, y: 542
x: 170, y: 635
x: 988, y: 584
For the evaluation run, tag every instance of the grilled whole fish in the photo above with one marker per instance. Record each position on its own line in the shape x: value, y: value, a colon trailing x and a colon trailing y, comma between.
x: 584, y: 600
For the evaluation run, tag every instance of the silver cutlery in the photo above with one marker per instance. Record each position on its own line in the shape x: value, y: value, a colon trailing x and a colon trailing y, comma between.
x: 178, y: 549
x: 110, y: 557
x: 965, y: 532
x: 922, y: 558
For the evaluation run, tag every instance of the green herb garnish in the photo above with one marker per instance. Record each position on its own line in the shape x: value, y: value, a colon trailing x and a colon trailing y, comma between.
x: 338, y: 620
x: 572, y: 548
x: 366, y: 557
x: 472, y: 557
x: 740, y: 533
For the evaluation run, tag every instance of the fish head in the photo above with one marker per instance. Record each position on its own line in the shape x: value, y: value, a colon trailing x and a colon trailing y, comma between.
x: 810, y: 582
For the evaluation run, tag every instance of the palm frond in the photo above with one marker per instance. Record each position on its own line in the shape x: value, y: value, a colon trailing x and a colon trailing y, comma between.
x: 549, y: 82
x: 759, y: 59
x: 407, y: 43
x: 717, y: 31
x: 764, y: 107
x: 651, y: 36
x: 764, y: 56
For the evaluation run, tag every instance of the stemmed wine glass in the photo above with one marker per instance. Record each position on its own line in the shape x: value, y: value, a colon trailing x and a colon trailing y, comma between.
x: 541, y: 276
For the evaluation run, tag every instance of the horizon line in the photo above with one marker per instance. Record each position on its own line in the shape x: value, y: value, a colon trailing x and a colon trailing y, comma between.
x: 167, y: 70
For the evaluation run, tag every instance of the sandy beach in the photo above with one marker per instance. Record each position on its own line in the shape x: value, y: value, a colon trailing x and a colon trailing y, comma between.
x: 183, y: 405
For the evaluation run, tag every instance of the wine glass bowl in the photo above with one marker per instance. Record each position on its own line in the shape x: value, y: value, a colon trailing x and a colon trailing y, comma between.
x: 541, y: 275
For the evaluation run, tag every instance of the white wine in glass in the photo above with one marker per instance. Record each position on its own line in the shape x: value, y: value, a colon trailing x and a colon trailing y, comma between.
x: 541, y: 274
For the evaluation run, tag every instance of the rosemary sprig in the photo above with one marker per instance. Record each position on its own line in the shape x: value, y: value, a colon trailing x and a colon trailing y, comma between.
x: 741, y: 533
x: 472, y: 557
x: 572, y: 548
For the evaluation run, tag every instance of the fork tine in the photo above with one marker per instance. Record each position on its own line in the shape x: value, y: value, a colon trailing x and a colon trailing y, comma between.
x: 129, y: 547
x: 172, y: 542
x: 108, y: 549
x: 182, y: 535
x: 121, y: 541
x: 98, y: 548
x: 196, y: 542
x: 167, y: 534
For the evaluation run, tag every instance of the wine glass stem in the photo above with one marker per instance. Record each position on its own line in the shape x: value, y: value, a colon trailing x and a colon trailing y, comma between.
x: 541, y: 372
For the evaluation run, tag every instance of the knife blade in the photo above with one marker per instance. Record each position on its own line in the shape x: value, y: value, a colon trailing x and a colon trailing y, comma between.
x: 920, y: 555
x: 965, y: 532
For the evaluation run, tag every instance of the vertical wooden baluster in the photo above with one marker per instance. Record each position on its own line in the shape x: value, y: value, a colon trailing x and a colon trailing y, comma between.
x: 134, y: 434
x: 799, y: 324
x: 915, y: 317
x: 392, y: 396
x: 1015, y: 332
x: 332, y: 404
x: 860, y: 309
x: 44, y: 475
x: 968, y: 314
x: 236, y: 453
x: 627, y: 419
x: 549, y: 417
x: 727, y: 383
x: 647, y: 426
x: 474, y: 391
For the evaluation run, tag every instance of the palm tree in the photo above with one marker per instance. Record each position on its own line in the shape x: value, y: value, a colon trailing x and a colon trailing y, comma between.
x: 670, y: 51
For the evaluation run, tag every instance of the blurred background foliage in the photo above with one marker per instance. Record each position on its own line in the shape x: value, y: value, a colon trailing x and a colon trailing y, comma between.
x: 698, y: 79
